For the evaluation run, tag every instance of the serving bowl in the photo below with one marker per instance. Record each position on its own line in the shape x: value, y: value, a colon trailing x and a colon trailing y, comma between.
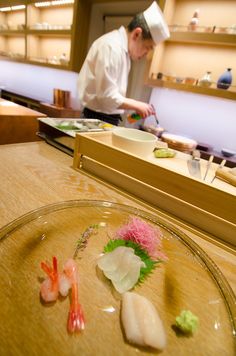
x: 140, y: 143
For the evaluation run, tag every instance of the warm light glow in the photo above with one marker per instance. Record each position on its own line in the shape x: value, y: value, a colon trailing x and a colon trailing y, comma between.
x: 12, y: 8
x: 18, y: 7
x: 5, y: 9
x: 54, y: 2
x: 62, y: 2
x: 41, y: 4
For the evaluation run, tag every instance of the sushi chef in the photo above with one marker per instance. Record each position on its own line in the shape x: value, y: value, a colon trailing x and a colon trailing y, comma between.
x: 103, y: 78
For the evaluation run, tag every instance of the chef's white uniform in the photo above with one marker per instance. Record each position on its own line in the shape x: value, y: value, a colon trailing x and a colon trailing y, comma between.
x: 103, y: 79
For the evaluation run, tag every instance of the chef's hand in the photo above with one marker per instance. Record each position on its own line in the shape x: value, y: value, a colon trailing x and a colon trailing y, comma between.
x: 144, y: 109
x: 141, y: 108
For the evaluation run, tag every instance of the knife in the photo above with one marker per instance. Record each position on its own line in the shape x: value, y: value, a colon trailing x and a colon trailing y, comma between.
x: 208, y: 166
x: 155, y: 114
x: 193, y: 164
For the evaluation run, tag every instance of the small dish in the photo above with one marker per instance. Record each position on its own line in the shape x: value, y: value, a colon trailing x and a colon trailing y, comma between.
x: 179, y: 80
x: 228, y: 153
x: 169, y: 78
x: 208, y: 29
x: 190, y: 80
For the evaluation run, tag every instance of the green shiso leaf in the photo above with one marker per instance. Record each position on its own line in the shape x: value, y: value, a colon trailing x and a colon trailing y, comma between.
x: 150, y: 264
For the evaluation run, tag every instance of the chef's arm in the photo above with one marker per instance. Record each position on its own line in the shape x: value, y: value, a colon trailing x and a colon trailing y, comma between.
x: 141, y: 108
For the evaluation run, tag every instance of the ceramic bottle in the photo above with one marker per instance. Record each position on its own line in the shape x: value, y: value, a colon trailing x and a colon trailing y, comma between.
x: 225, y: 80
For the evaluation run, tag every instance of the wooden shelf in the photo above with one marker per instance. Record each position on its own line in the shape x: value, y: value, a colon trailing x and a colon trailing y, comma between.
x: 41, y: 42
x: 211, y: 47
x: 35, y: 62
x: 193, y: 88
x: 12, y: 33
x: 220, y: 39
x: 49, y: 32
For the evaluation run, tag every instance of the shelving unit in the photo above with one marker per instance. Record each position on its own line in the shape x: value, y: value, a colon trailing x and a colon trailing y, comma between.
x: 190, y: 54
x: 46, y: 33
x: 39, y: 34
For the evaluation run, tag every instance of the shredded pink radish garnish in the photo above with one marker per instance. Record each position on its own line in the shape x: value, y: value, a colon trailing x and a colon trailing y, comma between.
x: 140, y: 232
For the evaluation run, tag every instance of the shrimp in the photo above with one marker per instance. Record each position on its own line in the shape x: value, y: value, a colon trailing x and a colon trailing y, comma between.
x: 75, y: 317
x: 49, y: 287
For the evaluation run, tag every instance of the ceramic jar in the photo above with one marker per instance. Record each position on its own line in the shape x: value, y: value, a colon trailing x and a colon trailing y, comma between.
x: 225, y: 80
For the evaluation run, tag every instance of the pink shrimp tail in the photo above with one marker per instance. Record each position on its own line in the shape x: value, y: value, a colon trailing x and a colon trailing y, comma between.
x: 75, y: 317
x: 49, y: 288
x: 75, y: 320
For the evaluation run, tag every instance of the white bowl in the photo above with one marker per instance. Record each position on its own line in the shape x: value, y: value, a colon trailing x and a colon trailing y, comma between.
x: 140, y: 143
x: 227, y: 152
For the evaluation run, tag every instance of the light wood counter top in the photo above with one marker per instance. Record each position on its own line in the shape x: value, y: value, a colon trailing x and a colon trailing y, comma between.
x: 36, y: 174
x: 17, y: 123
x: 8, y: 108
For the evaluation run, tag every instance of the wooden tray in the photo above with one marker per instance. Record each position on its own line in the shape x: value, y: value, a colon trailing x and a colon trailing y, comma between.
x: 164, y: 183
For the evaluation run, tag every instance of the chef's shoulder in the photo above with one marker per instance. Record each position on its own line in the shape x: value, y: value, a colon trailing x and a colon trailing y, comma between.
x: 114, y: 40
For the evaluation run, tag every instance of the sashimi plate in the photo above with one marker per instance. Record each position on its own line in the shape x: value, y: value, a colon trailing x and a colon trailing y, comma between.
x: 188, y: 280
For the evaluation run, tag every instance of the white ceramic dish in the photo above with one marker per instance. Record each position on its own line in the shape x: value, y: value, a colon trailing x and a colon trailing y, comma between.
x: 227, y: 152
x: 179, y: 139
x: 140, y: 143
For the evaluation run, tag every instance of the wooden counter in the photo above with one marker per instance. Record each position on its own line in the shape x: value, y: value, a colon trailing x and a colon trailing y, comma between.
x: 56, y: 111
x: 17, y: 123
x: 36, y: 174
x: 163, y: 183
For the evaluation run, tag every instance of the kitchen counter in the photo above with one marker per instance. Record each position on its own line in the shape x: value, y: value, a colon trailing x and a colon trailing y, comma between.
x: 36, y: 174
x: 17, y: 123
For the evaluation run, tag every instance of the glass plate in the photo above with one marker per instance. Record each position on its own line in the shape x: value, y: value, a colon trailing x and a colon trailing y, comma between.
x: 188, y: 280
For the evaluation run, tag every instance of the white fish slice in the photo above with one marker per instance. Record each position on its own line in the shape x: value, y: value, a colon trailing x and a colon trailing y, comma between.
x: 122, y: 267
x: 141, y: 321
x: 131, y: 277
x: 123, y: 264
x: 109, y: 262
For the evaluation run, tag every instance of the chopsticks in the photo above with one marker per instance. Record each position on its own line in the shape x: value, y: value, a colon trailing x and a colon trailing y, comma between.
x: 208, y: 166
x: 220, y: 166
x: 155, y: 115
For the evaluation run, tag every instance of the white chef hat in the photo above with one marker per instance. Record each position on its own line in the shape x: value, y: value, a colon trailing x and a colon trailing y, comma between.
x: 156, y: 23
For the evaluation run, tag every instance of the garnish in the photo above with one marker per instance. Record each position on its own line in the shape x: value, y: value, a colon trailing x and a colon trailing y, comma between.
x: 140, y: 232
x: 83, y: 240
x: 187, y: 322
x: 132, y: 254
x: 150, y: 264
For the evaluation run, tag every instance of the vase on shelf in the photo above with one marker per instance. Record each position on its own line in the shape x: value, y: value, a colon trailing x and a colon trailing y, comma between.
x: 192, y: 26
x: 206, y: 81
x: 225, y: 80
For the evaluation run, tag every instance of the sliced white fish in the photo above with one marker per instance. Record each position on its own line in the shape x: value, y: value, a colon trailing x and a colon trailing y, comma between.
x: 141, y: 321
x: 131, y: 278
x: 127, y: 262
x: 110, y: 262
x: 122, y: 267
